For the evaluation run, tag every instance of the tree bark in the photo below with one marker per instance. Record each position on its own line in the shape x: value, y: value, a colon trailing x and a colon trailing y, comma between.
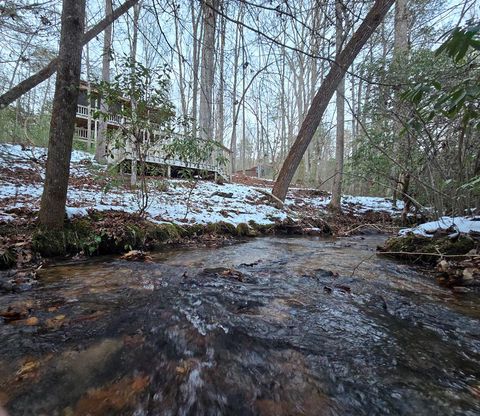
x: 101, y: 139
x: 220, y: 131
x: 235, y: 102
x: 195, y: 65
x: 325, y: 93
x: 207, y: 69
x: 26, y: 85
x: 336, y: 201
x: 62, y: 125
x: 400, y: 50
x: 136, y: 140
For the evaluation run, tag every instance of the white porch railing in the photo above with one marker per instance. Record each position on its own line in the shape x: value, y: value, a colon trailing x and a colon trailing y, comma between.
x: 82, y: 112
x: 156, y: 154
x: 81, y: 133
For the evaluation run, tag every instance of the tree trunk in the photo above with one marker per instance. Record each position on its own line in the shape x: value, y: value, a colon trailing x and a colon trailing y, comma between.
x: 62, y: 125
x: 325, y: 93
x: 101, y: 139
x: 220, y: 131
x: 181, y: 64
x: 207, y: 69
x: 32, y: 81
x: 336, y: 201
x: 244, y: 66
x: 196, y: 51
x: 235, y: 102
x: 400, y: 49
x: 136, y: 141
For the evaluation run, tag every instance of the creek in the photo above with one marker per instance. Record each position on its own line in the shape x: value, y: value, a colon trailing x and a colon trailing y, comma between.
x: 270, y: 326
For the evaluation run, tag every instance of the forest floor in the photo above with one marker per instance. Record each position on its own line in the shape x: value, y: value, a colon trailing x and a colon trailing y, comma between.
x: 91, y: 186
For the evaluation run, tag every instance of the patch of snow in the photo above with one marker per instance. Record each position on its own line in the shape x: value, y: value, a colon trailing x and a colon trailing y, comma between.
x: 463, y: 224
x: 6, y: 217
x: 359, y: 204
x: 75, y: 212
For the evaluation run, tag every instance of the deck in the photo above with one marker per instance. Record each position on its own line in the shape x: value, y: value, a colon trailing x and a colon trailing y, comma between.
x: 86, y: 130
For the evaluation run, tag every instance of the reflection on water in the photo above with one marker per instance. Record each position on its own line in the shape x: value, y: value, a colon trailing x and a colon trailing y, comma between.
x: 273, y: 326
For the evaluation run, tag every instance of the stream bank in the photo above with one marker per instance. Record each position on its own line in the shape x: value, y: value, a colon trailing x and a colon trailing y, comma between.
x: 114, y: 232
x: 449, y: 246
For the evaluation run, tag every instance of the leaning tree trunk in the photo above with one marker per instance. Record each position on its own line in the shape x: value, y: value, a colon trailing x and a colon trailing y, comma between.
x: 62, y: 125
x: 325, y: 93
x: 101, y: 139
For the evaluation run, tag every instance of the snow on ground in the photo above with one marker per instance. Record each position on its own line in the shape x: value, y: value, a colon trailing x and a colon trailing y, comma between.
x: 360, y: 204
x: 462, y: 224
x: 21, y: 183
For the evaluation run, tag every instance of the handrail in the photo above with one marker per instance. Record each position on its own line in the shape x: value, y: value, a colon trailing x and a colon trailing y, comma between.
x: 82, y: 110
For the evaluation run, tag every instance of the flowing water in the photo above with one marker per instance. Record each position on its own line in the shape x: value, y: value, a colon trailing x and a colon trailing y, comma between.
x: 272, y: 326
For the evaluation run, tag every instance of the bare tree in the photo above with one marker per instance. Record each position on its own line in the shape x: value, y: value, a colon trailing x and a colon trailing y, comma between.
x: 209, y: 8
x: 195, y: 63
x: 133, y: 57
x: 220, y: 129
x: 101, y: 139
x: 400, y: 50
x: 235, y: 101
x: 340, y: 29
x: 52, y: 208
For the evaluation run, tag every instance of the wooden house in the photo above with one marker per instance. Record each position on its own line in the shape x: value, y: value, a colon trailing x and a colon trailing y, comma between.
x: 86, y: 130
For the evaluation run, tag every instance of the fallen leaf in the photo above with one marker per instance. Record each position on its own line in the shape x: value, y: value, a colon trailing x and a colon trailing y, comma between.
x: 111, y: 399
x: 33, y: 320
x: 136, y: 255
x: 27, y: 368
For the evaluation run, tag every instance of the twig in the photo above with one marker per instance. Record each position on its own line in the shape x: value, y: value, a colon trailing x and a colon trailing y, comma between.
x: 409, y: 253
x: 376, y: 226
x: 280, y: 203
x: 361, y: 262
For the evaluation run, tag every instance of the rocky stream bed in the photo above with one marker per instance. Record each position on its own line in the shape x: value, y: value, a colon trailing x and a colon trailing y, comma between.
x: 270, y: 326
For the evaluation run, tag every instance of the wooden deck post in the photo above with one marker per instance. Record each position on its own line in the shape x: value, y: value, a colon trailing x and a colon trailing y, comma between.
x: 89, y: 117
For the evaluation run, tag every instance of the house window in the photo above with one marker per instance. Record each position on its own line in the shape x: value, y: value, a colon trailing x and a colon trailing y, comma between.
x: 82, y: 98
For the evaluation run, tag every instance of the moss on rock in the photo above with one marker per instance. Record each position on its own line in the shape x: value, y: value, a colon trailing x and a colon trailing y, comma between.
x: 261, y: 228
x: 401, y: 247
x: 49, y: 243
x: 243, y: 229
x: 221, y: 228
x: 157, y: 235
x: 194, y: 230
